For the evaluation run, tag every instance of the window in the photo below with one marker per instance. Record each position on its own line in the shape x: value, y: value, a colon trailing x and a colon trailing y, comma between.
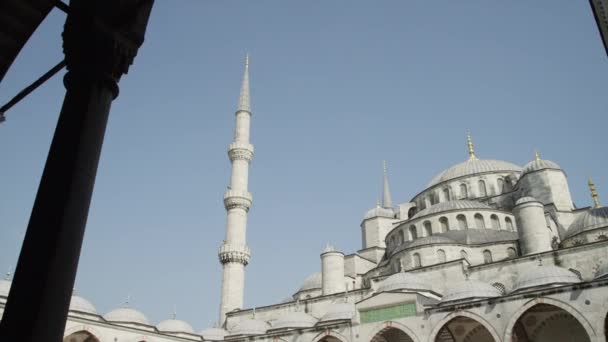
x: 441, y: 255
x: 413, y: 233
x: 397, y: 266
x: 511, y: 253
x: 411, y: 212
x: 463, y: 191
x: 487, y: 257
x: 446, y: 194
x: 401, y: 237
x: 479, y: 223
x: 495, y: 221
x: 500, y: 183
x: 462, y: 222
x: 392, y: 241
x: 482, y: 189
x: 428, y: 229
x: 509, y: 224
x: 445, y: 226
x: 417, y: 261
x: 500, y: 287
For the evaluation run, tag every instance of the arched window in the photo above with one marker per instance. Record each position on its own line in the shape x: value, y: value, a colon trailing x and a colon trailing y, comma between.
x: 417, y: 261
x: 482, y: 188
x: 500, y: 183
x: 397, y: 266
x: 462, y: 222
x: 487, y: 256
x: 392, y: 241
x: 509, y: 224
x: 479, y: 223
x: 495, y: 221
x: 463, y: 191
x: 411, y: 212
x: 431, y: 198
x: 464, y: 255
x: 413, y: 233
x: 441, y: 255
x: 446, y: 194
x: 500, y: 287
x: 428, y: 229
x: 511, y: 253
x: 445, y: 225
x: 401, y: 237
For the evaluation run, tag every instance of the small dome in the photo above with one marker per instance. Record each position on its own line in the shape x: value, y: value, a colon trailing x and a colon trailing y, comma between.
x: 380, y: 212
x: 337, y: 312
x: 313, y: 281
x: 470, y: 289
x: 591, y: 219
x: 526, y: 199
x: 473, y: 167
x: 602, y: 271
x: 126, y: 315
x: 543, y: 276
x: 174, y: 326
x: 214, y: 334
x: 540, y: 164
x: 450, y: 205
x: 250, y: 327
x: 5, y: 287
x: 403, y: 281
x: 294, y: 320
x: 78, y: 303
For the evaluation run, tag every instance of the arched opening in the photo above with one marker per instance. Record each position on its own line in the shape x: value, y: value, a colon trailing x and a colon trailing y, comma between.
x: 511, y: 253
x: 428, y: 229
x: 482, y: 189
x: 446, y: 194
x: 464, y: 255
x: 81, y: 336
x: 487, y: 256
x: 411, y: 212
x: 509, y: 224
x: 500, y: 183
x: 548, y: 323
x: 495, y: 222
x: 441, y: 255
x: 413, y: 233
x: 463, y: 191
x: 445, y: 225
x: 417, y: 260
x: 479, y: 222
x: 330, y: 339
x: 390, y: 334
x: 401, y: 236
x: 463, y: 329
x: 462, y: 222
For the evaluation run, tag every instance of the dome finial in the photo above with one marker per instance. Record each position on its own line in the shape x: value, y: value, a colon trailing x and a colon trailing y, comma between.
x: 596, y: 200
x: 244, y: 98
x: 470, y: 145
x: 387, y: 202
x: 536, y: 155
x: 174, y: 312
x: 377, y: 203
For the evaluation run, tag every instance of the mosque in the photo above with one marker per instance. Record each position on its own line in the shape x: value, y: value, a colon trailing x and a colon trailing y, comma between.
x: 488, y: 251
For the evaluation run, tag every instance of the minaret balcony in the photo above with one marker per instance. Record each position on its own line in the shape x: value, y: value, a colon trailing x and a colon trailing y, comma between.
x: 237, y: 199
x: 234, y: 253
x: 240, y: 150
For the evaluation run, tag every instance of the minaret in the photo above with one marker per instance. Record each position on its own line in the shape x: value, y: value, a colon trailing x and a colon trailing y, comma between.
x: 596, y: 199
x: 472, y: 155
x: 386, y: 191
x: 234, y: 254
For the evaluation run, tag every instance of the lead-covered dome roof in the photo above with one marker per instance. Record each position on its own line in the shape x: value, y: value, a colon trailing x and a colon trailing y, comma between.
x: 403, y: 281
x: 591, y: 219
x: 250, y: 327
x: 380, y: 212
x: 126, y: 315
x: 544, y: 276
x: 450, y: 205
x: 214, y: 334
x: 78, y: 303
x: 175, y: 326
x: 294, y: 320
x: 339, y: 311
x: 470, y: 289
x: 311, y: 282
x: 473, y: 167
x: 540, y: 164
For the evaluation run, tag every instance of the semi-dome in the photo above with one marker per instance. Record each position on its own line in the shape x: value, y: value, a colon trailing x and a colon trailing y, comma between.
x: 339, y: 311
x: 250, y: 327
x: 5, y: 287
x: 591, y: 219
x: 544, y: 276
x: 294, y: 320
x: 473, y: 167
x: 450, y: 205
x: 403, y: 281
x: 174, y: 326
x: 126, y: 315
x: 313, y: 281
x: 214, y: 334
x: 78, y: 303
x: 470, y: 289
x: 540, y: 164
x: 526, y: 199
x: 380, y: 212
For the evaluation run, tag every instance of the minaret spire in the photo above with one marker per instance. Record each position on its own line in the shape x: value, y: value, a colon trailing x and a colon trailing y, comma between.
x: 386, y: 191
x: 596, y: 199
x: 234, y: 254
x: 536, y: 155
x: 470, y: 145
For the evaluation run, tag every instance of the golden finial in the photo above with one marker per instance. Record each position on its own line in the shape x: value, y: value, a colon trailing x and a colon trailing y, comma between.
x: 377, y: 203
x: 471, y: 149
x: 536, y: 155
x: 384, y: 166
x: 596, y: 200
x: 247, y: 59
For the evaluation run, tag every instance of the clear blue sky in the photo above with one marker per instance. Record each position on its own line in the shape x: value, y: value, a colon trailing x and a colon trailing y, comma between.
x: 337, y: 86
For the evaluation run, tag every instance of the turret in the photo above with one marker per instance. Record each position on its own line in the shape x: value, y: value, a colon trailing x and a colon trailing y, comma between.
x: 547, y: 182
x: 332, y: 271
x: 534, y: 234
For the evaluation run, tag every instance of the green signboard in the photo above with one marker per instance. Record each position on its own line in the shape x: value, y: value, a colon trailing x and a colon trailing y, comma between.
x: 388, y: 312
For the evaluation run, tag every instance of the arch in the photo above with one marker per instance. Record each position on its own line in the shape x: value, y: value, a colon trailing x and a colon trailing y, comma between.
x: 329, y: 335
x: 401, y: 237
x: 487, y: 256
x: 509, y: 224
x: 560, y: 312
x: 376, y: 335
x: 483, y: 331
x: 446, y: 194
x: 500, y: 287
x: 81, y: 328
x: 441, y: 255
x: 511, y: 253
x: 411, y: 212
x: 445, y: 224
x: 81, y: 335
x: 479, y: 222
x: 428, y: 228
x: 413, y: 233
x: 464, y: 255
x: 483, y: 192
x: 500, y: 183
x: 462, y: 222
x: 494, y: 221
x: 417, y: 260
x: 463, y: 191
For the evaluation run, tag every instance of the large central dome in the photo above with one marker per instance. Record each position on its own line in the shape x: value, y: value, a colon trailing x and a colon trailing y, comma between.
x: 472, y: 167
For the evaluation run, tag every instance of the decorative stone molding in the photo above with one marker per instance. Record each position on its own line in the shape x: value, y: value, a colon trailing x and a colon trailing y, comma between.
x: 237, y: 199
x: 239, y: 150
x: 234, y: 253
